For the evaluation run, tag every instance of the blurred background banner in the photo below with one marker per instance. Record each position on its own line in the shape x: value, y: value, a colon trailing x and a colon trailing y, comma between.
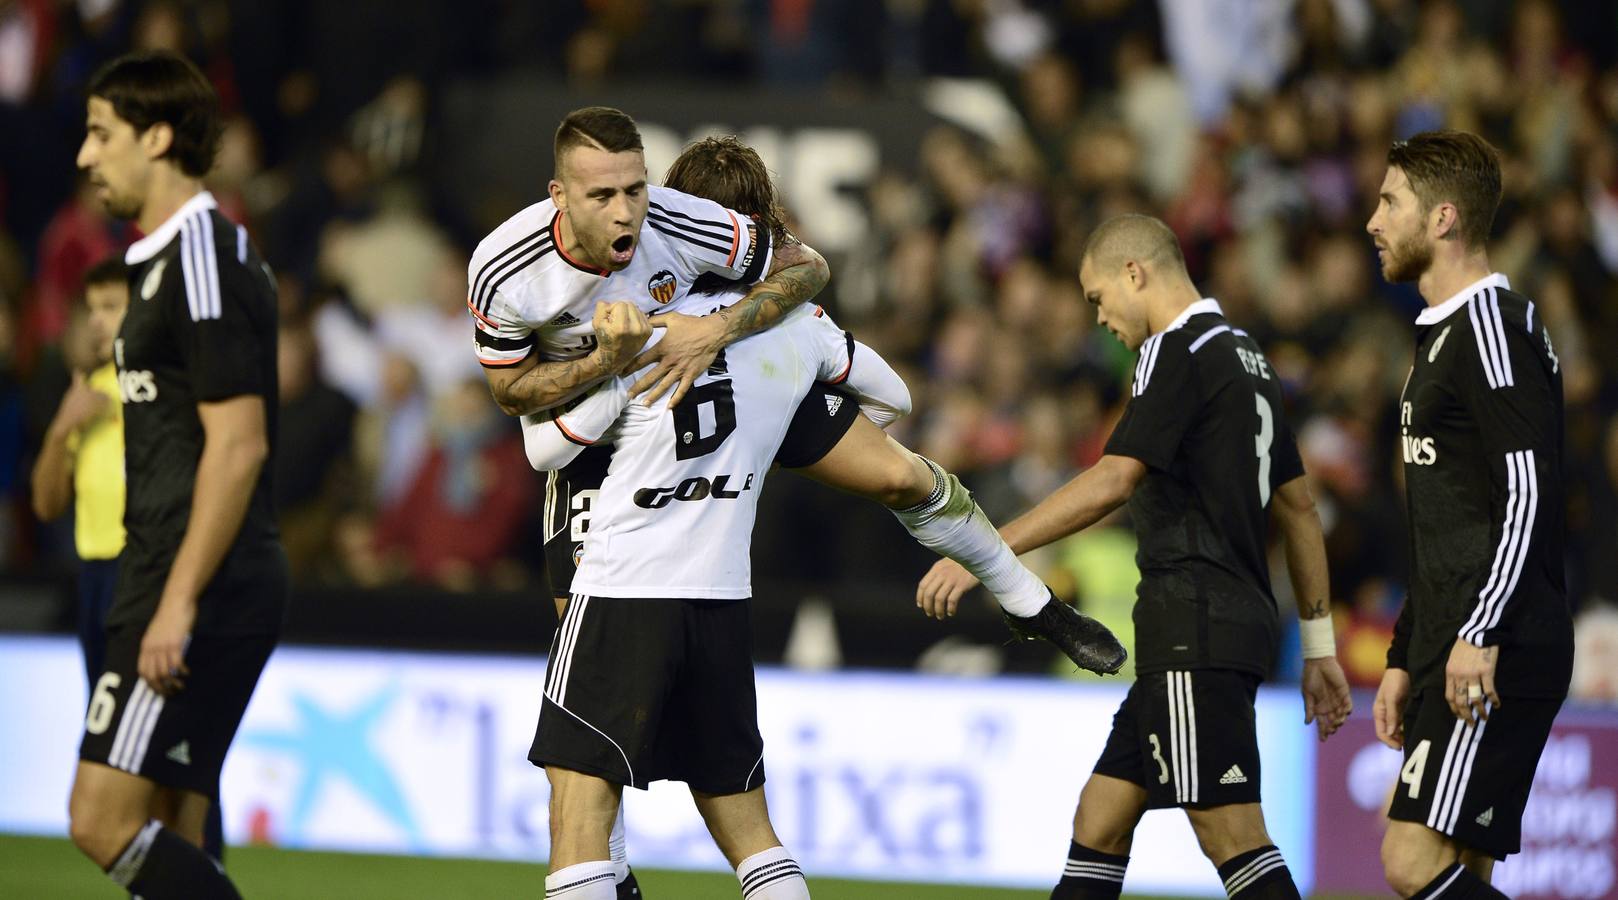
x: 825, y: 156
x: 890, y: 776
x: 1569, y: 830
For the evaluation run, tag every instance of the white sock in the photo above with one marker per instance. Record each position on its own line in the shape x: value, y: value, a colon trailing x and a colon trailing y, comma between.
x: 772, y: 875
x: 950, y: 524
x: 585, y: 881
x: 616, y: 848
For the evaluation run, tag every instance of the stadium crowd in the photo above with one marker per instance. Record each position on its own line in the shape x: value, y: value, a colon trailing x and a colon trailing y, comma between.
x: 1263, y: 151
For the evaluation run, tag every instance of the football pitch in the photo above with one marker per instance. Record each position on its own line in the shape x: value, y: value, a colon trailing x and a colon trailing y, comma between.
x: 51, y: 869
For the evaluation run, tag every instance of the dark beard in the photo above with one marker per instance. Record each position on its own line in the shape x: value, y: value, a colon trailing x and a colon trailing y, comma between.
x: 1407, y: 260
x: 122, y: 208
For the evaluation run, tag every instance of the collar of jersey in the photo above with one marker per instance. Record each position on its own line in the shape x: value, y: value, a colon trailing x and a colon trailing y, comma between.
x: 148, y: 246
x: 1434, y: 314
x: 1201, y: 307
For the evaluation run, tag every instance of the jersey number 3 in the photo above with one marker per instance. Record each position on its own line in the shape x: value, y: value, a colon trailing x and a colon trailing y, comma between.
x: 1261, y: 446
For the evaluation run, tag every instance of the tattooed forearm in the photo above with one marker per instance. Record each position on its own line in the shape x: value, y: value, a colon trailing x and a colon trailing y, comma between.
x: 804, y: 272
x: 545, y: 384
x: 1318, y: 610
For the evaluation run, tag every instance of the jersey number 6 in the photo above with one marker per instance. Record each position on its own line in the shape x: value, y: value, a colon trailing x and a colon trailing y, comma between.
x: 689, y: 441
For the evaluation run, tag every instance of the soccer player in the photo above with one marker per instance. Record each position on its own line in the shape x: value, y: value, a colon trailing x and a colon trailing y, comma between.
x: 1483, y: 650
x: 1204, y: 458
x: 82, y: 461
x: 202, y: 582
x: 650, y: 675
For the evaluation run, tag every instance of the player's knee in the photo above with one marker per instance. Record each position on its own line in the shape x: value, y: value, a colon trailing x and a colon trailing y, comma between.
x: 101, y: 837
x: 902, y: 480
x: 1224, y: 832
x: 1406, y: 865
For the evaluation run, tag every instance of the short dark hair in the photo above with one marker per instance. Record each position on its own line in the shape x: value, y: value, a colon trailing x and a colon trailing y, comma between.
x: 609, y: 129
x: 111, y: 270
x: 1456, y: 167
x: 147, y: 88
x: 1133, y: 236
x: 730, y: 173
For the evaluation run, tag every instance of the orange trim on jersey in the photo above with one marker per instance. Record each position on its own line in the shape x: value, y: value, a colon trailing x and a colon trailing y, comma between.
x: 570, y: 435
x: 846, y: 369
x: 480, y: 316
x: 820, y: 311
x: 583, y: 267
x: 735, y: 238
x: 500, y: 364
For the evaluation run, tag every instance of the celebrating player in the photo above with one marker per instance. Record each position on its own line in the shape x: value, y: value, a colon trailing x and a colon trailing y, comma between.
x: 202, y: 583
x: 1483, y: 651
x: 1202, y: 452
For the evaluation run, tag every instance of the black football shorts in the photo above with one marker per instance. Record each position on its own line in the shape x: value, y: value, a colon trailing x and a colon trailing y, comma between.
x: 1188, y: 737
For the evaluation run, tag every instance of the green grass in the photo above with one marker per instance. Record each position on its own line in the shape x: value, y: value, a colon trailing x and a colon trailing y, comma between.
x: 51, y: 869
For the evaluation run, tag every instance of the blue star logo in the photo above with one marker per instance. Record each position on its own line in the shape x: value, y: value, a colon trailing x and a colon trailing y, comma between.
x: 338, y: 746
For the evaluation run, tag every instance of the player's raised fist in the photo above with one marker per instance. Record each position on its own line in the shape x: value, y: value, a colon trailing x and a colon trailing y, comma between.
x: 621, y: 330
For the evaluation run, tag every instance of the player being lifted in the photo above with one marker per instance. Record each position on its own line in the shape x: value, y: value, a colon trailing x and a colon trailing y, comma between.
x: 604, y: 234
x: 1483, y: 651
x: 1204, y: 458
x: 202, y: 582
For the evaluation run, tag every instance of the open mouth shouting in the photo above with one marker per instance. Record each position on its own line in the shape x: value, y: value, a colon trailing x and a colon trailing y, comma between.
x: 623, y: 250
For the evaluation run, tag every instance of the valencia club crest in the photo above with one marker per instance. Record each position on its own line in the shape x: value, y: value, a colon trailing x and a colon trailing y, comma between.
x: 661, y: 286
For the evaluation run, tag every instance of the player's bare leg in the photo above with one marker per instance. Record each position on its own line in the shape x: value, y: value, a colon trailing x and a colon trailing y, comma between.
x: 617, y: 851
x: 583, y: 808
x: 740, y: 825
x: 1234, y: 839
x: 1417, y: 861
x: 939, y: 512
x: 111, y: 822
x: 184, y: 812
x: 1103, y: 830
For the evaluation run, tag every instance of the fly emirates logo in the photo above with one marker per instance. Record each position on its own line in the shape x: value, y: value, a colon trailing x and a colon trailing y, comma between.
x: 1420, y: 451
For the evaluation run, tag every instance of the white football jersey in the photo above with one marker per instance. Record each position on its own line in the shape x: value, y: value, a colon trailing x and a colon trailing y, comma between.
x: 675, y: 514
x: 526, y: 292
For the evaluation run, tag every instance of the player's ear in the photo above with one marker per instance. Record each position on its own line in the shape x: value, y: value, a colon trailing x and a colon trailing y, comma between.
x: 1444, y: 219
x: 558, y: 196
x: 1136, y: 274
x: 157, y: 140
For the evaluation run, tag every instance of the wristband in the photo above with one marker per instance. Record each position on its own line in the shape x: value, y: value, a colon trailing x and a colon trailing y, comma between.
x: 1317, y: 638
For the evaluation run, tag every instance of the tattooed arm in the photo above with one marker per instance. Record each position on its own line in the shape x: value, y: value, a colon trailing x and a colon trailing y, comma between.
x: 797, y: 273
x: 1325, y: 689
x: 535, y: 384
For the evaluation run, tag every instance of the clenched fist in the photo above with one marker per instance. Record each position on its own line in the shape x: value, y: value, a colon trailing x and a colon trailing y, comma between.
x: 621, y: 331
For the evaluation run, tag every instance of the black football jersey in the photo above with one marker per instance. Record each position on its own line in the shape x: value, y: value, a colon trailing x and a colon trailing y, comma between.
x: 1206, y: 418
x: 201, y: 327
x: 1481, y: 440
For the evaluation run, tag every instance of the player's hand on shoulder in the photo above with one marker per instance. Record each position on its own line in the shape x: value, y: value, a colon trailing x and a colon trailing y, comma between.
x: 940, y: 591
x: 1327, y: 701
x: 1389, y: 707
x: 621, y: 330
x: 689, y: 346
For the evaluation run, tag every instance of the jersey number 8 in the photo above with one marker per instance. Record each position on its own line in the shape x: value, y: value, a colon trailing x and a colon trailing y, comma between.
x: 1261, y: 446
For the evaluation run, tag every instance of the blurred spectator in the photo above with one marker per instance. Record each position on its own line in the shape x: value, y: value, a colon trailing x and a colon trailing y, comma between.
x: 457, y: 524
x: 313, y: 472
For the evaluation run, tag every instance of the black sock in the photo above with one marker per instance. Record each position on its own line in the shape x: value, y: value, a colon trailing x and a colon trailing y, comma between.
x: 159, y: 864
x: 1457, y: 882
x: 213, y: 833
x: 1259, y: 874
x: 1090, y: 875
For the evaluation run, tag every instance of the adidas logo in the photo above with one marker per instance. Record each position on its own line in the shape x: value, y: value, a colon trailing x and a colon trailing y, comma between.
x: 833, y: 404
x: 1233, y: 775
x: 181, y: 753
x: 564, y: 320
x: 1487, y: 818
